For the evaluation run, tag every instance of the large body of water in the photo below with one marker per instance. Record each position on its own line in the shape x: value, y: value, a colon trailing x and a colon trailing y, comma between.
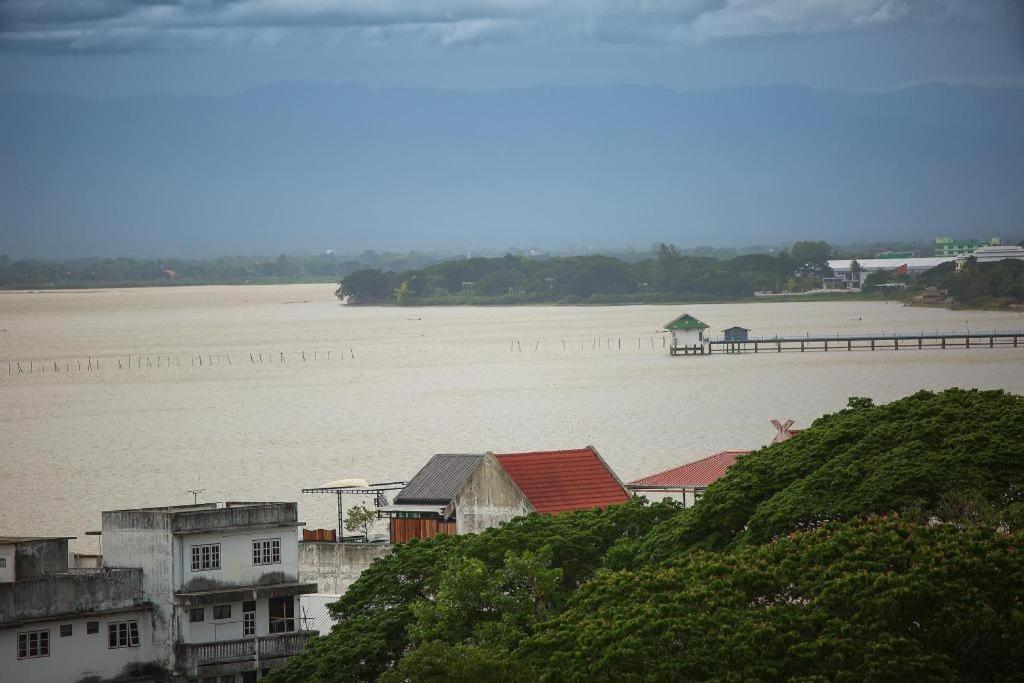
x: 399, y: 385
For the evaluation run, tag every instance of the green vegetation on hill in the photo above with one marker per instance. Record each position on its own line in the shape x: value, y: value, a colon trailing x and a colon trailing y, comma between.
x: 979, y: 285
x: 882, y: 542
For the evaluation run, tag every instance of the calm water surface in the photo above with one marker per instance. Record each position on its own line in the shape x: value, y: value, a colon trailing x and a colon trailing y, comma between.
x: 400, y: 385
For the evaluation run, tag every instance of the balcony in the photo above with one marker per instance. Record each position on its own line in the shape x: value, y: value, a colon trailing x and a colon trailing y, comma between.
x: 225, y: 656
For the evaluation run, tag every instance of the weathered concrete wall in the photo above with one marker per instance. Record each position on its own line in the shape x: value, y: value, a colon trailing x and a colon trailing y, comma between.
x: 488, y: 498
x: 210, y: 521
x: 34, y: 559
x: 335, y: 566
x: 82, y: 655
x: 70, y: 594
x: 236, y: 566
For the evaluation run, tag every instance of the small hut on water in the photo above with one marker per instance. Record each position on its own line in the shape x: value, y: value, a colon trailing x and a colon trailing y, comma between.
x: 687, y: 334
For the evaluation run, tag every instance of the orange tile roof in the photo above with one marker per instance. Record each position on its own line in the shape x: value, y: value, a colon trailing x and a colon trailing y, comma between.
x: 699, y: 473
x: 555, y: 481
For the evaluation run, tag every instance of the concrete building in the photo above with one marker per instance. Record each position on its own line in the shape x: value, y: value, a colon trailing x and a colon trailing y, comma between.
x: 947, y: 246
x: 58, y: 623
x: 687, y: 333
x: 685, y: 484
x: 223, y: 583
x: 468, y: 493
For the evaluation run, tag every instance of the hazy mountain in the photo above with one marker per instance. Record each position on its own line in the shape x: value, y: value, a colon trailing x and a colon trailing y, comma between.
x: 298, y: 166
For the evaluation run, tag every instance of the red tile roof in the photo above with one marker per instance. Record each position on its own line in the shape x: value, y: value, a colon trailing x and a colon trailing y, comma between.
x: 555, y: 481
x: 700, y: 473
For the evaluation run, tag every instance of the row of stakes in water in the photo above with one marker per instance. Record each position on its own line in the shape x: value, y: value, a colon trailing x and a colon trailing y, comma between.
x: 595, y: 343
x: 139, y: 362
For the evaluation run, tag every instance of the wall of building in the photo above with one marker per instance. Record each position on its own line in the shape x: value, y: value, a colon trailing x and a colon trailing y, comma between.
x: 7, y: 557
x: 687, y: 496
x: 335, y: 566
x: 488, y: 498
x: 681, y: 338
x: 33, y: 559
x: 70, y: 593
x: 79, y: 655
x: 135, y: 538
x: 211, y: 630
x: 236, y: 565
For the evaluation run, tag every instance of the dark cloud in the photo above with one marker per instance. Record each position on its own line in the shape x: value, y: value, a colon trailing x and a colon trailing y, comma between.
x: 104, y: 25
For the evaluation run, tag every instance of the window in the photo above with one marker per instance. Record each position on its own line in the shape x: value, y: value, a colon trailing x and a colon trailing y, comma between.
x: 267, y: 551
x: 249, y: 618
x: 197, y: 614
x: 92, y: 627
x: 65, y: 630
x: 3, y: 563
x: 282, y: 615
x: 222, y: 611
x: 205, y: 557
x: 34, y: 644
x: 123, y: 634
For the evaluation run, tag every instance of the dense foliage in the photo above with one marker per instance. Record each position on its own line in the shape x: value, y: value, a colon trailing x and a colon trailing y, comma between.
x: 979, y: 284
x: 882, y: 542
x: 666, y: 276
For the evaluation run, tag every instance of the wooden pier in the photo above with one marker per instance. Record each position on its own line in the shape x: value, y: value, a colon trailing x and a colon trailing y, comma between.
x: 869, y: 342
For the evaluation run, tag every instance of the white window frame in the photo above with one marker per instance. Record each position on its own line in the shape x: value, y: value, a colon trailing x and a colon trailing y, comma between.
x: 3, y: 562
x: 126, y: 634
x: 266, y: 551
x: 205, y: 557
x: 42, y: 641
x: 248, y: 621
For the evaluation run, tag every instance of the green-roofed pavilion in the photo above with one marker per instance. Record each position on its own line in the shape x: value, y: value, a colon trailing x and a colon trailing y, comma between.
x: 686, y: 322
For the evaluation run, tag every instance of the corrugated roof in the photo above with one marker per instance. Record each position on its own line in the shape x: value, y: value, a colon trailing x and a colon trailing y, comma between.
x: 699, y: 473
x: 440, y: 479
x: 555, y: 481
x: 686, y: 322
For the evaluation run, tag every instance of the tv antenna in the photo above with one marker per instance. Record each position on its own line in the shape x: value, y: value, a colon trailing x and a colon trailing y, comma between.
x: 195, y: 494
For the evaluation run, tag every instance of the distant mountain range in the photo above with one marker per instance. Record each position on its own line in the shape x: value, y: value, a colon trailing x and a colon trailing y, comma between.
x: 291, y: 167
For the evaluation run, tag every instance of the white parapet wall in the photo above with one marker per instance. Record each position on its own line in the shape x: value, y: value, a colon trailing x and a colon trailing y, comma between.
x: 335, y: 566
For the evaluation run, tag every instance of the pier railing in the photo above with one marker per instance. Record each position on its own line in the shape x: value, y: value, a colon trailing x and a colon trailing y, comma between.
x: 883, y: 340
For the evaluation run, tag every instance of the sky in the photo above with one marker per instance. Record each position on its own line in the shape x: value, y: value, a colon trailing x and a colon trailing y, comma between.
x: 302, y: 169
x: 115, y: 48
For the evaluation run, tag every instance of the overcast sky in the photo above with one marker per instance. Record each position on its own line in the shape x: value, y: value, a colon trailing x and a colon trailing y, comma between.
x: 125, y: 47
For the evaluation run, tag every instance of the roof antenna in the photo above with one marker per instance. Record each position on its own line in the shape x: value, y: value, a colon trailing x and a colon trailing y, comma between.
x: 195, y: 495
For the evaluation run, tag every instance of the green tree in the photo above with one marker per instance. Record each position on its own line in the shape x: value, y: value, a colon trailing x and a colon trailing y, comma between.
x: 360, y: 518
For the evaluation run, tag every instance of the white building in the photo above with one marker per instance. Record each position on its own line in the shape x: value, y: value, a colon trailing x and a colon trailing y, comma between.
x: 687, y: 334
x: 223, y: 581
x: 192, y: 593
x: 847, y: 278
x: 992, y: 254
x: 58, y: 624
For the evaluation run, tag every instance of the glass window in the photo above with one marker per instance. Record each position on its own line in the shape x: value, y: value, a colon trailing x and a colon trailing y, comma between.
x: 123, y: 634
x: 34, y: 644
x: 197, y: 614
x: 3, y: 562
x: 222, y: 611
x: 249, y: 618
x: 205, y: 557
x: 266, y: 551
x: 92, y: 627
x: 65, y: 630
x: 282, y: 615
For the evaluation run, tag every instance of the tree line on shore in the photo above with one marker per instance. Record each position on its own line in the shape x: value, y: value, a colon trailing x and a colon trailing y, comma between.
x: 664, y: 276
x: 883, y: 542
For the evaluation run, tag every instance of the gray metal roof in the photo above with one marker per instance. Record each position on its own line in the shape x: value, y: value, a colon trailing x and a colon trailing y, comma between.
x: 440, y: 479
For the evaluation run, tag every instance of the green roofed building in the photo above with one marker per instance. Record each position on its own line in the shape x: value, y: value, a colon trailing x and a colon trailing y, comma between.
x: 687, y: 334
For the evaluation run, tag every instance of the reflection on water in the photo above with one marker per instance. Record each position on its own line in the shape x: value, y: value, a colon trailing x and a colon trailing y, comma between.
x: 401, y: 384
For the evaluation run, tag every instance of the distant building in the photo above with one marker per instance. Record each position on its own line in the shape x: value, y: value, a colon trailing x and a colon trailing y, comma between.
x: 685, y: 484
x: 735, y: 333
x: 992, y: 254
x: 59, y: 624
x: 947, y: 246
x: 687, y: 332
x: 846, y: 277
x: 468, y: 493
x: 896, y: 254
